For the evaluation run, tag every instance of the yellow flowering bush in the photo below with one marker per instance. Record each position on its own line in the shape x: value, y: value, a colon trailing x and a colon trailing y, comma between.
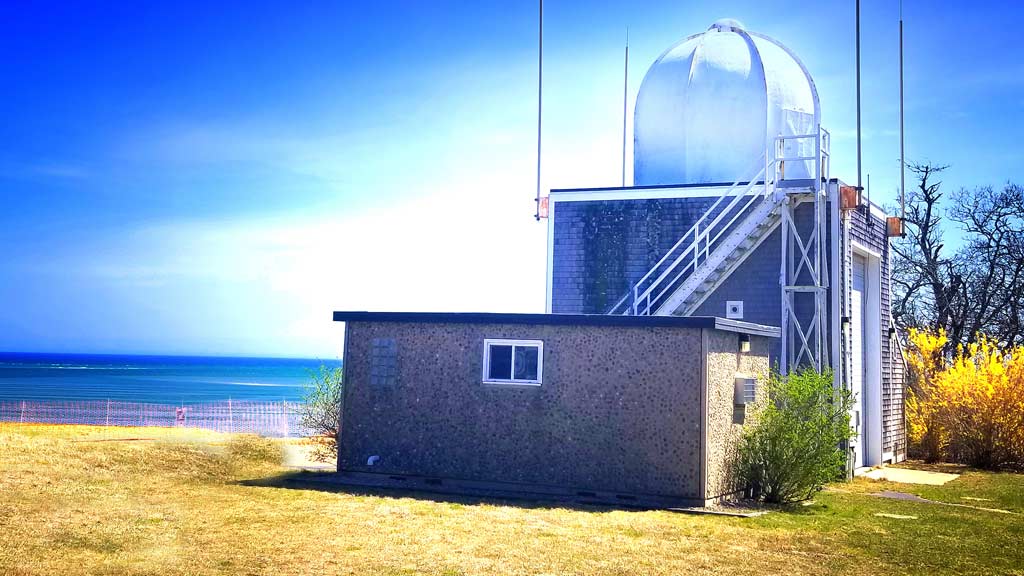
x: 967, y: 409
x: 926, y: 362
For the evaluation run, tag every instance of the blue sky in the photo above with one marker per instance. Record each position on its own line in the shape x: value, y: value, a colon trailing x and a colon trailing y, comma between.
x: 179, y: 179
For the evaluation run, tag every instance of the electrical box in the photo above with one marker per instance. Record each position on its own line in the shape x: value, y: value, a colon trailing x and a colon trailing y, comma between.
x: 850, y: 197
x: 893, y: 226
x: 734, y: 309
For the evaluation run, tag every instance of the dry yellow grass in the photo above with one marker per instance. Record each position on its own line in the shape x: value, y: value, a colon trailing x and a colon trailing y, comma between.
x: 186, y: 502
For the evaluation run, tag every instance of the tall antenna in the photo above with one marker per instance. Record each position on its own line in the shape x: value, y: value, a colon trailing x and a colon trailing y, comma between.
x: 859, y: 184
x: 540, y: 85
x: 903, y: 162
x: 625, y: 96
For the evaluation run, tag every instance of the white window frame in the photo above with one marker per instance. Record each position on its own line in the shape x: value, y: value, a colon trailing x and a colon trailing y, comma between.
x: 538, y: 344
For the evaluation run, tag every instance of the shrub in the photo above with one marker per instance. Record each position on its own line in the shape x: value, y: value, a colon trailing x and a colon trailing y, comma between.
x: 321, y: 411
x: 969, y: 409
x: 793, y: 445
x: 926, y: 362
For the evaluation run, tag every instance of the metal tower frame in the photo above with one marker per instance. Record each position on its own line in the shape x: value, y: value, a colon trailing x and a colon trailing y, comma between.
x: 804, y: 274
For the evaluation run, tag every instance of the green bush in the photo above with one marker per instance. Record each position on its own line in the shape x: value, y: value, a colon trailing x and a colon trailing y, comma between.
x: 793, y: 445
x: 321, y: 411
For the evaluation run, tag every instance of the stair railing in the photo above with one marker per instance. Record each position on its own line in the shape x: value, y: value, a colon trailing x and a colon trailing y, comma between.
x: 693, y: 247
x: 627, y: 304
x: 821, y: 157
x: 646, y: 301
x: 645, y: 296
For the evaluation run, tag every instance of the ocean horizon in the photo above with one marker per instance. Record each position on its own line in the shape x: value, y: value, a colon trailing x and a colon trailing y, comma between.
x: 161, y: 379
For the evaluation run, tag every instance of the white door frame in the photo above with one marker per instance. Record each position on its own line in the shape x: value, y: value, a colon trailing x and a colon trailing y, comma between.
x: 871, y: 440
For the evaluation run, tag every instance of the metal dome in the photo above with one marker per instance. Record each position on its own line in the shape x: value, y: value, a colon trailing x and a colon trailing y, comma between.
x: 708, y: 106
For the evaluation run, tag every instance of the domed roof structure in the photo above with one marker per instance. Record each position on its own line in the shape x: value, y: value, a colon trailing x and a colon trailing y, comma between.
x: 708, y: 106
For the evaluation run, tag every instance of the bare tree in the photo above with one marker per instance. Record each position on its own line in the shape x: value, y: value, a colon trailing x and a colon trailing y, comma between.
x: 975, y: 288
x: 991, y: 263
x: 921, y: 269
x: 321, y: 411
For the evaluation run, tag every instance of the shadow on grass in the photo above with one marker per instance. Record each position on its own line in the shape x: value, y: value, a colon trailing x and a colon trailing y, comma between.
x: 324, y: 482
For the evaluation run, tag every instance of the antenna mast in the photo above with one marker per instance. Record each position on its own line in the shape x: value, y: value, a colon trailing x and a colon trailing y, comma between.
x: 903, y: 162
x: 859, y: 183
x: 540, y: 84
x: 625, y: 97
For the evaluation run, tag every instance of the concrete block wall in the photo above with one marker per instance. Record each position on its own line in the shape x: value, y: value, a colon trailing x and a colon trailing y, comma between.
x: 620, y: 410
x: 723, y: 363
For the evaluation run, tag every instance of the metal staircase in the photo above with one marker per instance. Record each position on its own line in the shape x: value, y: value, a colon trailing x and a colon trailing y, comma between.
x: 732, y: 229
x: 694, y: 249
x: 740, y: 244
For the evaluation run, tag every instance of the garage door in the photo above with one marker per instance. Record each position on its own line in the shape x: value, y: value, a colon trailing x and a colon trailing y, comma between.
x: 858, y: 297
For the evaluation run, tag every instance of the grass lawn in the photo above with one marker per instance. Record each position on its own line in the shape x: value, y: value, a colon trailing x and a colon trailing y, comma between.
x: 82, y: 500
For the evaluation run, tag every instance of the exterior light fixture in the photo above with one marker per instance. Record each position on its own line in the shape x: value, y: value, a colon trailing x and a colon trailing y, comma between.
x: 894, y: 227
x: 744, y: 343
x: 850, y: 197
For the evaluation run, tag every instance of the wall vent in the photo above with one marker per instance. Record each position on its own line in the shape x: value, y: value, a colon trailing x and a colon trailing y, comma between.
x: 746, y: 389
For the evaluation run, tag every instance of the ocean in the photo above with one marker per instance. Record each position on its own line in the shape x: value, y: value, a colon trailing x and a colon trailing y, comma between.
x: 177, y: 380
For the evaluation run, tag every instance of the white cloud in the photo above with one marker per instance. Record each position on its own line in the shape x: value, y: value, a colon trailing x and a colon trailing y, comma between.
x: 468, y: 250
x: 332, y: 158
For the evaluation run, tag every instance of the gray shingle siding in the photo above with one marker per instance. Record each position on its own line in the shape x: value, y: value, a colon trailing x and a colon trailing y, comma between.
x: 602, y: 247
x: 870, y: 231
x: 755, y: 282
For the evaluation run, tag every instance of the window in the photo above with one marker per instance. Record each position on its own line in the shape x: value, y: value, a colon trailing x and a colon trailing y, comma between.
x: 513, y: 362
x: 383, y: 362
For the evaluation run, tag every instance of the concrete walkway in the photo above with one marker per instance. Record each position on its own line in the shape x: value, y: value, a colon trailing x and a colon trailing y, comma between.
x: 908, y: 476
x: 915, y: 498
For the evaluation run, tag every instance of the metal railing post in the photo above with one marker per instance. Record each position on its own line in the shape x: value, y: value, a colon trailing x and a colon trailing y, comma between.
x: 817, y: 157
x: 696, y: 243
x: 22, y: 418
x: 781, y: 156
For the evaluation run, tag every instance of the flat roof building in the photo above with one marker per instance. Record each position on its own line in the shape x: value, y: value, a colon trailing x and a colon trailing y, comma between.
x: 735, y: 252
